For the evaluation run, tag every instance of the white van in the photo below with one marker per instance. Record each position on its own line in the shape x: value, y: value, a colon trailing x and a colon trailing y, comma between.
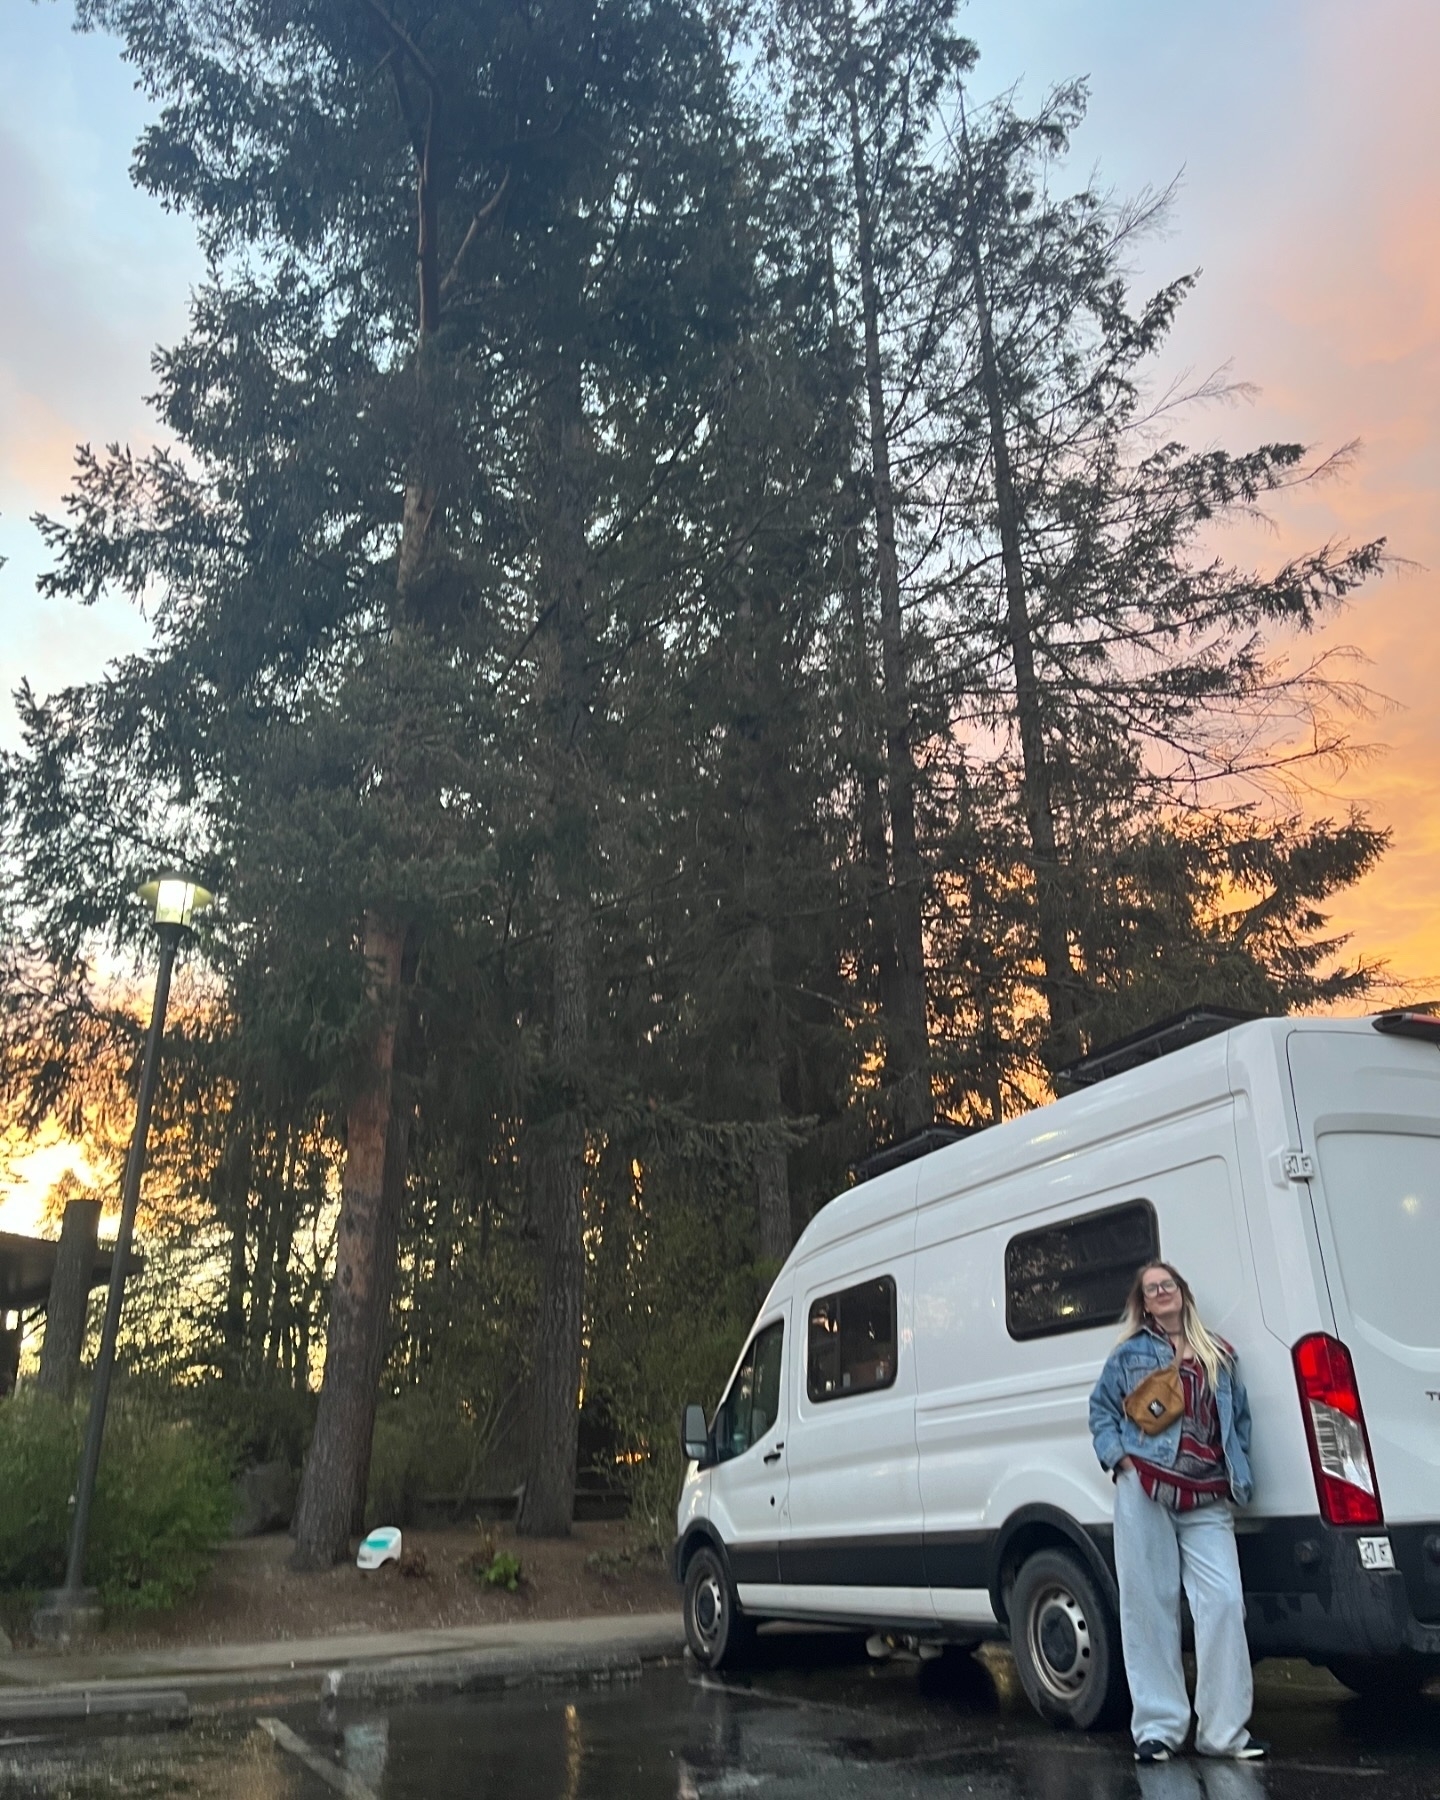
x: 903, y: 1445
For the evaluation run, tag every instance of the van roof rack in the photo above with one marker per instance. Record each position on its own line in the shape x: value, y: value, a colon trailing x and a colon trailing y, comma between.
x: 919, y: 1143
x: 1154, y: 1041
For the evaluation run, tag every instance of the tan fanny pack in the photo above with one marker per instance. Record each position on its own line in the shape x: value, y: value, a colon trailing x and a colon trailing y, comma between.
x: 1158, y: 1401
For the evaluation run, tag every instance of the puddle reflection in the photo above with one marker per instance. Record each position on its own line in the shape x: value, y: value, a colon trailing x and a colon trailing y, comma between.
x: 365, y: 1749
x: 1200, y: 1780
x: 837, y: 1730
x: 574, y: 1752
x: 847, y: 1732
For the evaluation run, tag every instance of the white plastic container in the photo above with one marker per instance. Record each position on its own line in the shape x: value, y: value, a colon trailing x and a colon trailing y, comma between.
x: 382, y: 1546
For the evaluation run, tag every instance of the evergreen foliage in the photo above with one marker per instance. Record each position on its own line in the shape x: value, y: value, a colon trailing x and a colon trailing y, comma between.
x: 685, y: 641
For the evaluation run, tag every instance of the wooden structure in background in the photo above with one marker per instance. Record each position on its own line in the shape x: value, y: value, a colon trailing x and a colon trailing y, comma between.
x: 70, y: 1286
x: 43, y: 1275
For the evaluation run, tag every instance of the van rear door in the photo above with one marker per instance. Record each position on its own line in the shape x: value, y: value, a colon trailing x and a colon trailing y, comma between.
x: 1368, y: 1107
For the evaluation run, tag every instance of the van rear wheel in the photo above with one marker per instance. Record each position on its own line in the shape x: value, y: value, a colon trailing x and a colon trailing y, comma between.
x: 715, y: 1629
x: 1066, y: 1642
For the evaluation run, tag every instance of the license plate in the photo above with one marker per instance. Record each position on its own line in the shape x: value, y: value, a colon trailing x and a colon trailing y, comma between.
x: 1375, y: 1553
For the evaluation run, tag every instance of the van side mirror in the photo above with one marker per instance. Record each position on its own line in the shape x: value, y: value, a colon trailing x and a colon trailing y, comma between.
x: 695, y: 1436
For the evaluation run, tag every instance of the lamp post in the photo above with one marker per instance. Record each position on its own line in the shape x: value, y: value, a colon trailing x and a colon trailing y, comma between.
x: 175, y: 901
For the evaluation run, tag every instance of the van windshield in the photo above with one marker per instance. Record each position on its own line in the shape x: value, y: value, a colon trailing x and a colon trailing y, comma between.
x: 1382, y: 1190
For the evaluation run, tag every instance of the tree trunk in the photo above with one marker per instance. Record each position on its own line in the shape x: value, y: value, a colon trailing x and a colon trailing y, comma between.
x: 909, y: 1046
x: 985, y: 963
x: 755, y: 815
x: 548, y: 1503
x: 282, y: 1304
x: 337, y: 1465
x: 872, y: 873
x: 233, y: 1204
x: 1039, y: 812
x: 772, y: 1172
x: 272, y: 1254
x: 337, y: 1462
x: 377, y: 1317
x: 69, y: 1299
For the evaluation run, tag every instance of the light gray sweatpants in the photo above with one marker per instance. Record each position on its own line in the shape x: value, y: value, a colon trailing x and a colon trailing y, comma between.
x: 1155, y: 1549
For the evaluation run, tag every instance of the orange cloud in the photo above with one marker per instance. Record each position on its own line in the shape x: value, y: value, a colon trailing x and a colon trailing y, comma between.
x: 37, y: 449
x: 1326, y: 291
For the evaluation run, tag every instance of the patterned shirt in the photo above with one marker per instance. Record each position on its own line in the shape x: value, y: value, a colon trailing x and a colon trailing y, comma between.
x: 1198, y: 1477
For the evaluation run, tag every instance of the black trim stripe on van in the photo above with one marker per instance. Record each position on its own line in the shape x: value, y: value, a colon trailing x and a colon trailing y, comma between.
x: 959, y: 1559
x: 1304, y: 1586
x: 897, y: 1561
x: 1277, y: 1555
x: 755, y: 1564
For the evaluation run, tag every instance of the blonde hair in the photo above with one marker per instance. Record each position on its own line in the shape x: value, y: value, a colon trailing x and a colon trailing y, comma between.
x: 1213, y: 1354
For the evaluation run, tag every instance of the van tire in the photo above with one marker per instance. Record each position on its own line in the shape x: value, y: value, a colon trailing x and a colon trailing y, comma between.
x: 1066, y: 1642
x: 1383, y: 1680
x: 718, y: 1633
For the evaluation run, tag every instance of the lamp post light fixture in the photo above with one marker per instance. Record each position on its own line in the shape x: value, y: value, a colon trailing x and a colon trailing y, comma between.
x: 174, y: 901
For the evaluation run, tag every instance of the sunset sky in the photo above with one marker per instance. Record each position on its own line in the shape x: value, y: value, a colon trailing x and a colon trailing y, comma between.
x: 1305, y: 137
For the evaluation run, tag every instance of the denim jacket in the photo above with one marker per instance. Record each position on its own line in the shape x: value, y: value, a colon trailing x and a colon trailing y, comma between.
x: 1117, y: 1435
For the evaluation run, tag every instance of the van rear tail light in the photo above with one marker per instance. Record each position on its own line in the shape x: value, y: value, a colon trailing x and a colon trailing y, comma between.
x: 1335, y: 1427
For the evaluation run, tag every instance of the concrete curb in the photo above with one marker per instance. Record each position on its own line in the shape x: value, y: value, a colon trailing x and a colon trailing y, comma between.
x: 487, y: 1671
x: 160, y: 1706
x: 544, y: 1651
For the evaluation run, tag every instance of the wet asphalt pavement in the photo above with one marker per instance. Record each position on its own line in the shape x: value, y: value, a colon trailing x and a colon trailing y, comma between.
x: 813, y: 1723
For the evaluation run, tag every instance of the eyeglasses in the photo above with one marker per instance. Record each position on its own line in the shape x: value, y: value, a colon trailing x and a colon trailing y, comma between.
x: 1153, y: 1290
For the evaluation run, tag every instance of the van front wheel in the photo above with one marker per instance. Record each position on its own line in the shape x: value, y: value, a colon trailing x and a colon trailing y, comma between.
x: 716, y: 1631
x: 1066, y: 1642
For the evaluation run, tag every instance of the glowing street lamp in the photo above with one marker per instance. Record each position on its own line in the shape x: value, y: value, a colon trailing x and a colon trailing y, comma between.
x: 174, y: 901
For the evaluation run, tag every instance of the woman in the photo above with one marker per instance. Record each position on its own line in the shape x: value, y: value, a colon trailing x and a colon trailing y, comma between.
x: 1173, y: 1521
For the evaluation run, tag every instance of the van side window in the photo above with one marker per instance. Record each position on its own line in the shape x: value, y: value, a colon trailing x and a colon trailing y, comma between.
x: 1076, y: 1274
x: 753, y: 1404
x: 852, y: 1341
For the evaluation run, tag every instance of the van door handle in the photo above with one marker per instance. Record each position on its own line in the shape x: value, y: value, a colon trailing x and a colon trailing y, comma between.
x: 773, y: 1456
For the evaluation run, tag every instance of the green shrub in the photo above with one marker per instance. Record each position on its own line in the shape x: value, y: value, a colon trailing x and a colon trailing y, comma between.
x: 675, y: 1291
x: 397, y: 1469
x: 502, y: 1571
x: 260, y: 1422
x: 162, y: 1505
x: 39, y: 1455
x: 646, y: 1375
x: 428, y: 1443
x: 162, y: 1501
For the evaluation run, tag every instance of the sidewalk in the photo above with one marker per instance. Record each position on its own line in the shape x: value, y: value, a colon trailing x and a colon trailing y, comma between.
x: 376, y: 1664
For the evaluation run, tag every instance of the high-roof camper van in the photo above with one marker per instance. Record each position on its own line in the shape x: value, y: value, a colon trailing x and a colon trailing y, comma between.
x: 903, y: 1445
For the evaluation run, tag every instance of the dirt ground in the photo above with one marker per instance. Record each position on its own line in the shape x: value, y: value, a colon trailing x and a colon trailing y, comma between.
x: 250, y: 1596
